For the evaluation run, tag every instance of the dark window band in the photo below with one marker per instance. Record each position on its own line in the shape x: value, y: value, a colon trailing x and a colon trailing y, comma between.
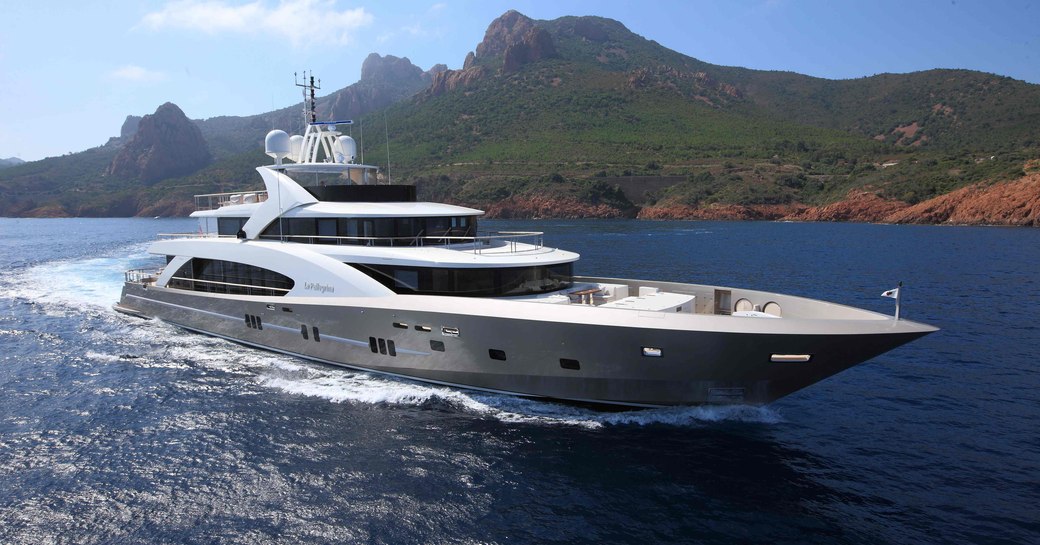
x: 218, y: 276
x: 497, y: 282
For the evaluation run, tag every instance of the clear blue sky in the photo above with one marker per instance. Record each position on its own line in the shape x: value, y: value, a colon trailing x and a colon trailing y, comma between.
x: 71, y: 71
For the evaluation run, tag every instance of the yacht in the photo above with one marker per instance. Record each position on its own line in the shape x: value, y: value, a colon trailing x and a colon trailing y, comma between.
x: 329, y: 265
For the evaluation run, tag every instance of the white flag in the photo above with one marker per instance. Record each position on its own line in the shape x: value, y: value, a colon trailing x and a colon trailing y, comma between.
x: 893, y: 293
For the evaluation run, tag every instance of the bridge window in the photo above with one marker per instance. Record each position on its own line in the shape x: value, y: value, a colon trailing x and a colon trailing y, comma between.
x: 230, y: 226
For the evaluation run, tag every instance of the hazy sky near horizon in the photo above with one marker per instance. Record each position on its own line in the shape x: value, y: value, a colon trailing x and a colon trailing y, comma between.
x: 71, y: 71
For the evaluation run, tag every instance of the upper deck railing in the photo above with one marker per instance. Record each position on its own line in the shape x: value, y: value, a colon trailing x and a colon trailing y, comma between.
x: 192, y: 235
x: 507, y: 241
x: 213, y: 201
x: 510, y: 241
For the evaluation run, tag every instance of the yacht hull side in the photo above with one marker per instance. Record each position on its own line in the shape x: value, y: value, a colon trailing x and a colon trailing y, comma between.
x: 505, y: 351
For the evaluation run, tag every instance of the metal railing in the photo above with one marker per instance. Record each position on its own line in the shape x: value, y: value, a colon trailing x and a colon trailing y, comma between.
x: 213, y: 201
x: 192, y: 235
x: 142, y: 276
x: 509, y: 240
x: 250, y: 288
x: 478, y: 244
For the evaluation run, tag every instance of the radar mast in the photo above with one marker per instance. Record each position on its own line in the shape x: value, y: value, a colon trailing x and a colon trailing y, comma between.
x: 310, y: 115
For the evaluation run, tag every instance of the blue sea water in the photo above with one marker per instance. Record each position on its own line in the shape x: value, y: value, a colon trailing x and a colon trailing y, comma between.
x: 116, y: 430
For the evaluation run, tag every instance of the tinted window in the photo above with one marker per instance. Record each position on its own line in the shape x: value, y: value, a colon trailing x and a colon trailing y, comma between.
x: 217, y: 276
x: 230, y: 226
x: 471, y: 282
x: 367, y: 231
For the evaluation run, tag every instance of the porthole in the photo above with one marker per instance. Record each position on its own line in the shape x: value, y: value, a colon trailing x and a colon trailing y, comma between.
x: 497, y: 354
x: 437, y: 346
x: 303, y: 331
x: 567, y: 363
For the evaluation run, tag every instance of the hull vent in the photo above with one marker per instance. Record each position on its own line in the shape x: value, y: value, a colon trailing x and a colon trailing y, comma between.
x: 725, y: 395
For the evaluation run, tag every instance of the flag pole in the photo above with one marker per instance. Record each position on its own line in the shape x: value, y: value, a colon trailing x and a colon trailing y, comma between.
x: 899, y: 293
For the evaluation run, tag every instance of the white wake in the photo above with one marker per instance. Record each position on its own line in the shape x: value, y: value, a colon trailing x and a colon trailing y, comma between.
x: 68, y: 287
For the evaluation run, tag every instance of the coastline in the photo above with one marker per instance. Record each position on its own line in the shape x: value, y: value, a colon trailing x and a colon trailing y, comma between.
x: 1014, y: 203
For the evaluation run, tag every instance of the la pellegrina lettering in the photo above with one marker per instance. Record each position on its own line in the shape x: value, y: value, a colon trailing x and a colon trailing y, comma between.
x: 323, y: 288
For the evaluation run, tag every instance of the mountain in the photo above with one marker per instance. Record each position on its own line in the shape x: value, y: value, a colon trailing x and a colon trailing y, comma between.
x: 107, y: 180
x: 601, y: 105
x: 10, y: 162
x: 165, y: 144
x: 580, y: 116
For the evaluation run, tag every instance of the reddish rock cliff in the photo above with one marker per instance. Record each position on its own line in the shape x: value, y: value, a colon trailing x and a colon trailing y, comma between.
x: 858, y: 206
x: 507, y: 30
x: 384, y: 80
x: 513, y: 37
x: 1015, y: 202
x: 533, y: 46
x: 1009, y: 203
x: 450, y: 80
x: 166, y: 144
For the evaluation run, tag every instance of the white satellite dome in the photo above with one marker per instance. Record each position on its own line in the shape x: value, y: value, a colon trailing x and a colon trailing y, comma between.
x: 295, y: 148
x: 345, y: 149
x: 276, y: 145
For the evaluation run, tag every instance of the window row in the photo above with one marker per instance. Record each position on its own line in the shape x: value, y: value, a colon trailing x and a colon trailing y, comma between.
x: 368, y: 231
x: 471, y: 282
x: 218, y: 276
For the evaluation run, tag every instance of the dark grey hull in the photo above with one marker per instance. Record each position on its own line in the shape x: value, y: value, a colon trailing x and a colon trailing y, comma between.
x: 554, y: 356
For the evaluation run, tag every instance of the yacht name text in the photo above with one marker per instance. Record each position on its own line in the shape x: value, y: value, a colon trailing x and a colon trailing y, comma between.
x: 323, y: 288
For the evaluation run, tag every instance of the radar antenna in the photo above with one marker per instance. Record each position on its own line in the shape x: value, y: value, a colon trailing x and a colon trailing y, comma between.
x: 308, y: 84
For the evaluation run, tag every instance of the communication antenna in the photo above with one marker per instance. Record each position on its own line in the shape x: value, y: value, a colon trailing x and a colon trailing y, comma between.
x: 386, y: 130
x: 361, y: 137
x: 309, y: 104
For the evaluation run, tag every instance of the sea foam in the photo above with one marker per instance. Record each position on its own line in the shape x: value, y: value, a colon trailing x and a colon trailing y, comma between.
x: 94, y: 284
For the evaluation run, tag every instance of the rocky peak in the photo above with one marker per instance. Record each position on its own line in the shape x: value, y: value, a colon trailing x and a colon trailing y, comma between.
x: 517, y: 39
x: 450, y: 80
x: 384, y: 80
x: 513, y: 37
x: 389, y: 69
x: 509, y: 28
x: 535, y: 45
x: 166, y: 144
x: 436, y: 69
x: 129, y: 127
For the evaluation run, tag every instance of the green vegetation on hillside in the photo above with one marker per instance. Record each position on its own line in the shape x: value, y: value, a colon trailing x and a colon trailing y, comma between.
x: 613, y: 118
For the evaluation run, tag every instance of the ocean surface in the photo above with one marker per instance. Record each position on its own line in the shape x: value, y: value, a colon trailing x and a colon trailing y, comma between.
x: 118, y: 430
